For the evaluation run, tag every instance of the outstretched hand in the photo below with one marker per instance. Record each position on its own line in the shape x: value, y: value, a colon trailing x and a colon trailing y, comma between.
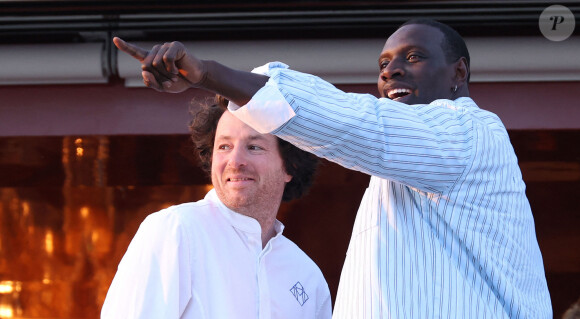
x: 166, y: 68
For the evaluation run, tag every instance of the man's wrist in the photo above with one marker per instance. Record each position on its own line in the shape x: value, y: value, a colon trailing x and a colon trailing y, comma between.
x: 202, y: 77
x: 237, y: 86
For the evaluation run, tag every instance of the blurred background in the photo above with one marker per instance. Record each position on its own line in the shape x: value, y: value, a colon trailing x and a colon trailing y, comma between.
x: 86, y: 151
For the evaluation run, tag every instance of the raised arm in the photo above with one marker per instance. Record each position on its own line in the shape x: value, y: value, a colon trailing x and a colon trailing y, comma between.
x: 171, y: 68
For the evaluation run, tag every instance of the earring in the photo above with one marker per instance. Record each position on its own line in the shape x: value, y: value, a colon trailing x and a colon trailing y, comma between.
x: 455, y: 89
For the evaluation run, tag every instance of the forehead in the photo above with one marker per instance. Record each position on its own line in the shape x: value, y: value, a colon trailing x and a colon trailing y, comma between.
x: 231, y: 127
x: 415, y: 35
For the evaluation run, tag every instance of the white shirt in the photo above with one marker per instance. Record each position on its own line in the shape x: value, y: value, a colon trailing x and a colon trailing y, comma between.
x: 444, y: 229
x: 203, y: 260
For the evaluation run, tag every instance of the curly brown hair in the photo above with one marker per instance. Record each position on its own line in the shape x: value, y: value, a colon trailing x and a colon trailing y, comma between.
x: 300, y: 164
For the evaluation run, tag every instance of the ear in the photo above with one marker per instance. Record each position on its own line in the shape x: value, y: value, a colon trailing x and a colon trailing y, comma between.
x: 461, y: 71
x: 288, y: 178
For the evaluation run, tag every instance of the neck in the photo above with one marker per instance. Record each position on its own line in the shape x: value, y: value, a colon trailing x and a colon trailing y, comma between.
x: 265, y: 216
x: 461, y: 92
x: 268, y: 232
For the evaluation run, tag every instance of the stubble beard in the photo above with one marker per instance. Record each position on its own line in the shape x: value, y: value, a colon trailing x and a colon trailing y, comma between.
x: 253, y: 201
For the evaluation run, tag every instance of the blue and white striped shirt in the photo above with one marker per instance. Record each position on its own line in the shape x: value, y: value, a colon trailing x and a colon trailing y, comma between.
x: 444, y: 229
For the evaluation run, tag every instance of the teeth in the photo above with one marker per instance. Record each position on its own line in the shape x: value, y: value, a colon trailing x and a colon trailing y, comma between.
x: 239, y: 179
x: 393, y: 93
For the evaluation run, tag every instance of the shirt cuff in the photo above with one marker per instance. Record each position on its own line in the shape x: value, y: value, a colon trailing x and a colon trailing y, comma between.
x: 266, y: 111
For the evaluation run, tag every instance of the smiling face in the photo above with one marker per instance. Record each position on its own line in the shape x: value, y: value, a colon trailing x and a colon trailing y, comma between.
x: 247, y: 170
x: 413, y: 66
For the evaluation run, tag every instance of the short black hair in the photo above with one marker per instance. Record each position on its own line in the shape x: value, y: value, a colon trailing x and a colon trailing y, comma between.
x: 453, y: 44
x: 299, y: 164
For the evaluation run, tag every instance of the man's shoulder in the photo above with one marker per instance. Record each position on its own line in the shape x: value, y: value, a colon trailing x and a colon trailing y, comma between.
x: 466, y: 106
x: 462, y: 104
x: 488, y: 120
x: 185, y: 208
x: 291, y: 250
x: 181, y: 212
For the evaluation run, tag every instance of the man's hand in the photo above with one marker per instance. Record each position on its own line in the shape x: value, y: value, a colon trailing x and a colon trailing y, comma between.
x: 168, y: 67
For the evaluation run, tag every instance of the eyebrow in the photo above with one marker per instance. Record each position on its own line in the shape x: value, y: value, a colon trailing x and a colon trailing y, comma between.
x: 405, y: 48
x: 255, y: 137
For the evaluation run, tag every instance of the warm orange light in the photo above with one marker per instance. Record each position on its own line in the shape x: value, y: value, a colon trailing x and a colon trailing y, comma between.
x: 79, y: 144
x: 95, y: 237
x: 85, y: 212
x: 6, y: 287
x: 25, y: 208
x: 49, y: 242
x: 6, y: 311
x: 9, y: 286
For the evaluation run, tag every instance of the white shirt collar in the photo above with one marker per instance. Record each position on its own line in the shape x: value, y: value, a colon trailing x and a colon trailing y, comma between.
x: 239, y: 221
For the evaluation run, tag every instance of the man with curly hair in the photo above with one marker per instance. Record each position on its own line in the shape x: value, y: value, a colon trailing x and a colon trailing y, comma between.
x: 225, y: 256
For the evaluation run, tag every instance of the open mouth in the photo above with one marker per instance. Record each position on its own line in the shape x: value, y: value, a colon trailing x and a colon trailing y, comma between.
x: 239, y: 179
x: 397, y: 94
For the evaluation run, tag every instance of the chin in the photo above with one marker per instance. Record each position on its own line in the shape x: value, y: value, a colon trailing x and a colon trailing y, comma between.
x: 237, y: 207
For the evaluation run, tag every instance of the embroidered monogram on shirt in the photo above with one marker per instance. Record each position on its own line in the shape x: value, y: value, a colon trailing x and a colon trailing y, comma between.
x: 298, y: 291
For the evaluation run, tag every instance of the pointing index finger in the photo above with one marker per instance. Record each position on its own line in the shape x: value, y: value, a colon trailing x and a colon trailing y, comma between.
x: 131, y: 49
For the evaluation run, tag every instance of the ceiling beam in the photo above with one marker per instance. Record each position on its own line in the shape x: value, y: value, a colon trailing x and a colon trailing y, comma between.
x: 72, y: 21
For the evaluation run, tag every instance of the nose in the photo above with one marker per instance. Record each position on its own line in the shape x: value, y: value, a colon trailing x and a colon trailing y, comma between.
x: 393, y: 69
x: 237, y: 158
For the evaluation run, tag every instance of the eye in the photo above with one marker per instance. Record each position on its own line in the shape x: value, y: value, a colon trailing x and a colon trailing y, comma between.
x: 224, y: 147
x: 413, y: 58
x: 255, y: 148
x: 383, y: 64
